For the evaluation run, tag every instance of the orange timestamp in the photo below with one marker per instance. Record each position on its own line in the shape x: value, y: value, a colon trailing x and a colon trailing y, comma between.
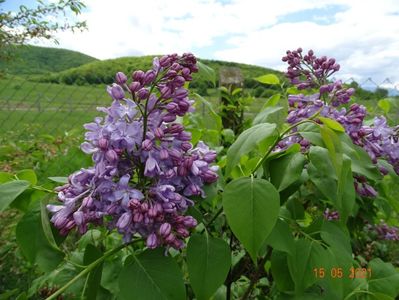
x: 338, y: 272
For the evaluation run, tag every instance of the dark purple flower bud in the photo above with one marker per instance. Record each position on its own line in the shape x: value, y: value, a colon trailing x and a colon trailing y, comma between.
x: 174, y: 153
x: 165, y: 61
x: 158, y: 132
x: 134, y: 86
x: 172, y: 107
x: 163, y: 154
x: 111, y: 156
x: 87, y: 202
x: 152, y: 241
x: 174, y: 128
x: 183, y: 232
x: 78, y: 217
x: 134, y: 204
x: 138, y: 75
x: 170, y: 238
x: 124, y: 220
x: 165, y: 229
x: 184, y: 105
x: 181, y: 93
x: 185, y: 146
x: 169, y: 118
x: 171, y: 74
x: 184, y: 136
x: 143, y: 93
x: 149, y: 77
x: 120, y: 78
x: 182, y: 171
x: 152, y: 212
x: 189, y: 221
x: 166, y: 92
x: 117, y: 92
x: 138, y: 217
x: 147, y: 145
x: 103, y: 143
x: 179, y: 81
x: 194, y: 189
x: 324, y: 89
x: 210, y: 156
x: 209, y: 176
x: 144, y: 207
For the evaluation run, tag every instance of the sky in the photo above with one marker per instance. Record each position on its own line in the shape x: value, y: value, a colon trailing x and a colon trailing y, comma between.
x: 363, y: 35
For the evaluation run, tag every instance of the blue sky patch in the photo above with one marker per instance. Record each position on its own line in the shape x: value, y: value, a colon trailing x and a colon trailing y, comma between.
x: 321, y: 16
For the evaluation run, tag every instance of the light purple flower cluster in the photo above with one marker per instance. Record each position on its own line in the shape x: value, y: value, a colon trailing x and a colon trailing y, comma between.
x: 331, y: 215
x: 384, y: 232
x: 310, y: 72
x: 145, y: 168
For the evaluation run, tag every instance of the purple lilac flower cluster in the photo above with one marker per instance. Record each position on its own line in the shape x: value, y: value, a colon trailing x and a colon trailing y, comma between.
x: 309, y: 72
x: 331, y: 215
x: 384, y: 232
x: 145, y: 168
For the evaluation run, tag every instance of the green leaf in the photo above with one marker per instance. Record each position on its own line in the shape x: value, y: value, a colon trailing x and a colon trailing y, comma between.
x: 272, y: 101
x: 336, y: 236
x: 281, y: 238
x: 28, y: 175
x: 93, y: 280
x: 251, y: 207
x: 360, y: 161
x: 270, y: 115
x: 261, y: 135
x: 46, y: 226
x: 207, y: 73
x: 384, y: 278
x: 286, y: 170
x: 320, y: 172
x: 311, y: 132
x: 307, y: 255
x: 59, y: 179
x: 334, y: 147
x: 332, y: 124
x: 268, y: 79
x: 5, y: 177
x: 346, y: 190
x: 280, y: 271
x: 151, y: 275
x: 208, y: 261
x: 385, y: 105
x: 9, y: 191
x: 23, y: 201
x: 34, y: 244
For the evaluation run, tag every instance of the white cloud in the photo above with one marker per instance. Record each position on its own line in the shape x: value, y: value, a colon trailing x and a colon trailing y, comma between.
x: 363, y: 36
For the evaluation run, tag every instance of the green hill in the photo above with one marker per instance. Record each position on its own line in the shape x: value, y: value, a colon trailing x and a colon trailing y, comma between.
x: 33, y: 60
x: 104, y: 71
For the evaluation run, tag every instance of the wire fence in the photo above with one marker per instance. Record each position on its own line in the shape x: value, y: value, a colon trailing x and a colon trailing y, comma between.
x: 30, y: 110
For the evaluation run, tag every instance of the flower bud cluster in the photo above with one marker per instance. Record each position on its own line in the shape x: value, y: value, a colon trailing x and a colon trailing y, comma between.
x: 145, y: 167
x: 331, y: 215
x: 308, y: 71
x: 384, y: 232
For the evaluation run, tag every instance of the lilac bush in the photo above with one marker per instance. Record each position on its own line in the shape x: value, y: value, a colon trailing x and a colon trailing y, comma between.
x: 145, y: 168
x: 328, y: 100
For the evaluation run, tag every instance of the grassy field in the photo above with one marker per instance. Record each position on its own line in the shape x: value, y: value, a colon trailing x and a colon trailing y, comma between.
x: 57, y: 108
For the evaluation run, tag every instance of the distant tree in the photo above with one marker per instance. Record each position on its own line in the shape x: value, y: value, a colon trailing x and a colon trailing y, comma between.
x: 19, y: 27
